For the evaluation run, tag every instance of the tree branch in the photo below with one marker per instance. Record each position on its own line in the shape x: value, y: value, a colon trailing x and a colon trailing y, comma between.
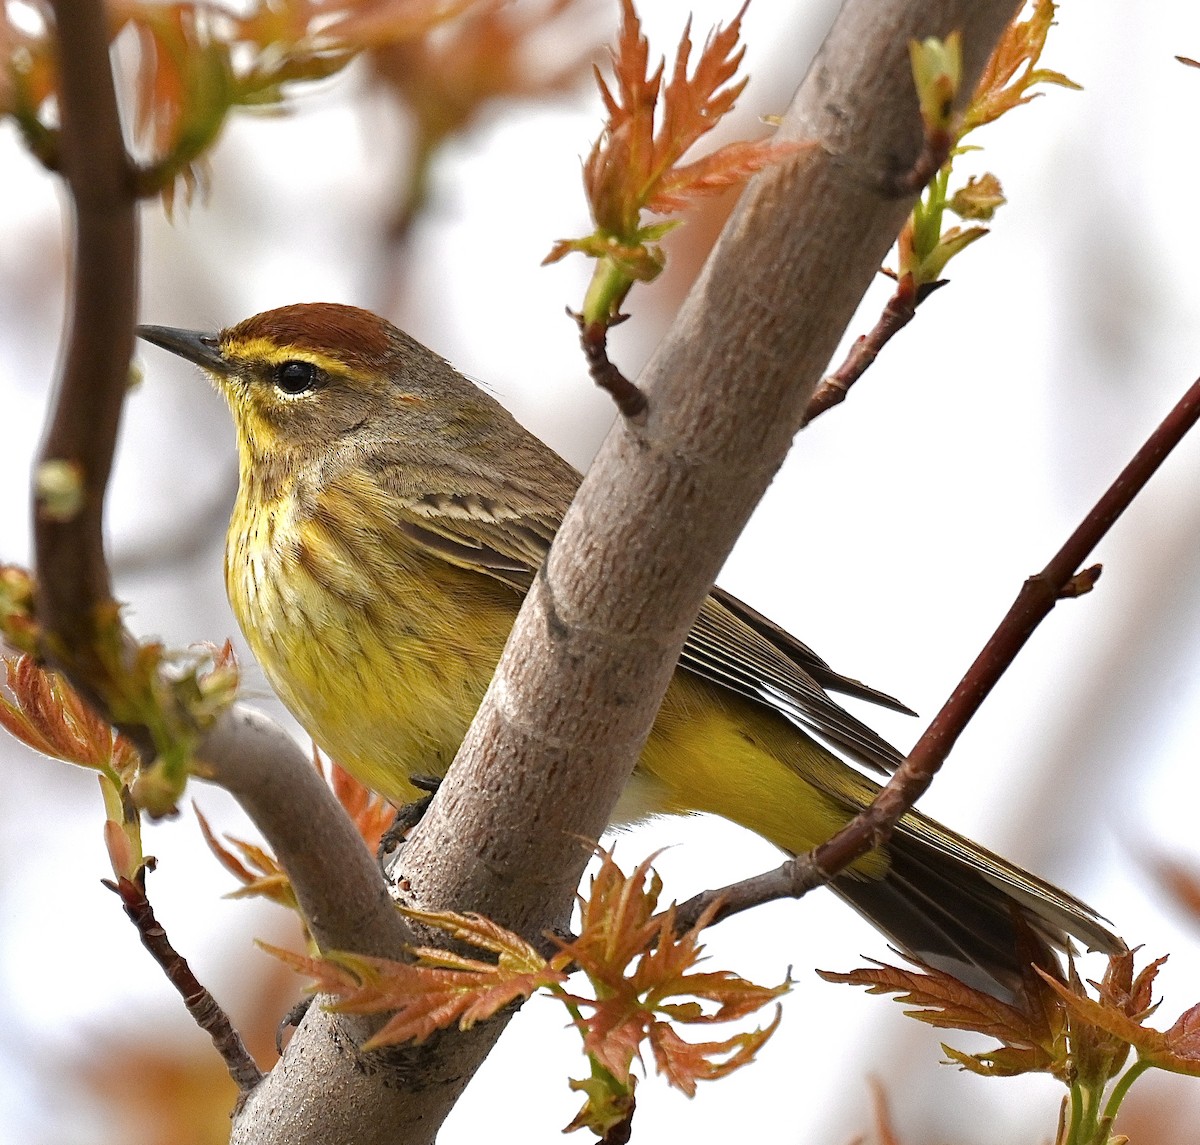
x: 202, y: 1006
x: 333, y: 875
x: 594, y: 647
x: 72, y: 580
x: 1061, y: 578
x: 337, y: 882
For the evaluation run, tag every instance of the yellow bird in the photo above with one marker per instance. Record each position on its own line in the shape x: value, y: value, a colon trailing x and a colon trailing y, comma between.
x: 389, y: 520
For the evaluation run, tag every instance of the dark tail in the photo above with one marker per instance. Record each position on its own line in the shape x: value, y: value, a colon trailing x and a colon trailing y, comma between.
x: 955, y: 905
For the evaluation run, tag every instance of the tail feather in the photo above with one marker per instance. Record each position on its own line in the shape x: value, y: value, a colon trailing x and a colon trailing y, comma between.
x: 956, y: 907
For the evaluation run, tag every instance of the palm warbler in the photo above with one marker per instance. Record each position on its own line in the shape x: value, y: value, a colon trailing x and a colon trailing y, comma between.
x: 389, y: 519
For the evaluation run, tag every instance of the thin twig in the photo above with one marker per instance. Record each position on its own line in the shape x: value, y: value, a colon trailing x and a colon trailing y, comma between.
x: 593, y: 337
x: 935, y: 150
x: 202, y: 1006
x: 873, y: 826
x: 896, y: 315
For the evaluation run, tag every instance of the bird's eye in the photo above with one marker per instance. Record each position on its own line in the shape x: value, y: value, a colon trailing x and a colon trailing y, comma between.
x: 296, y: 377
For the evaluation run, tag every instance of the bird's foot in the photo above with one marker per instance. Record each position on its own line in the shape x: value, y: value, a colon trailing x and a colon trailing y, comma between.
x: 407, y: 817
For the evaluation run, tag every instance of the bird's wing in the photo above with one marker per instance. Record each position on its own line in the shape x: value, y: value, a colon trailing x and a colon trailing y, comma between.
x: 480, y: 533
x: 735, y: 646
x: 506, y: 535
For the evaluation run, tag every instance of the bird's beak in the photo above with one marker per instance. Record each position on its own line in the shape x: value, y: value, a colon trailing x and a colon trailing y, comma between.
x: 194, y: 345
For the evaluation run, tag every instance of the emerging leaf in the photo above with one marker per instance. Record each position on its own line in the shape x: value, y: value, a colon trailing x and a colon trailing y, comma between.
x: 635, y: 165
x: 439, y: 989
x: 1120, y: 1010
x: 640, y: 971
x: 257, y: 870
x: 1032, y: 1029
x: 48, y: 715
x: 1011, y: 72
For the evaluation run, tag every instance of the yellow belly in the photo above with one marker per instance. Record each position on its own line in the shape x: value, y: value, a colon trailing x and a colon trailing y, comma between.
x: 385, y: 670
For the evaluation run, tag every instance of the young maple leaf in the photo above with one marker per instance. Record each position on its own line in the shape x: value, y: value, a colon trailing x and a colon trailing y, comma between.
x: 1007, y: 78
x: 640, y: 970
x: 370, y: 812
x: 440, y: 987
x: 635, y: 166
x: 1032, y: 1028
x: 1123, y: 1004
x: 257, y: 869
x: 1010, y: 72
x: 48, y: 715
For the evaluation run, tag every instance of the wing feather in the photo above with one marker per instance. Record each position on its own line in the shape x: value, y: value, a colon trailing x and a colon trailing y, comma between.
x: 504, y: 531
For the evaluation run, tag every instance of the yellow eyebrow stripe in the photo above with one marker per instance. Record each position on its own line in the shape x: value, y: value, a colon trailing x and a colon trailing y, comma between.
x: 270, y: 353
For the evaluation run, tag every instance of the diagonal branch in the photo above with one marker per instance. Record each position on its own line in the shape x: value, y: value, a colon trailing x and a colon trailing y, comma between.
x: 1062, y: 577
x: 597, y: 639
x: 202, y: 1006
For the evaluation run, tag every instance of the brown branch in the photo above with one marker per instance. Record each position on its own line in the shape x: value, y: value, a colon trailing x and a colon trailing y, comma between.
x: 202, y: 1006
x: 72, y: 579
x: 346, y: 899
x: 897, y: 314
x: 631, y: 401
x: 1061, y: 578
x: 935, y: 150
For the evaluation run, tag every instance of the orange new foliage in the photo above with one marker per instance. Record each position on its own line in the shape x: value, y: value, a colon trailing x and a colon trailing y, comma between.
x: 258, y: 870
x: 641, y: 973
x: 634, y: 166
x: 47, y: 714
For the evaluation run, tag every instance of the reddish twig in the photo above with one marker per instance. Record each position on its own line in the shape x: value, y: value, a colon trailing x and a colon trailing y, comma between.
x: 200, y: 1003
x: 72, y: 578
x: 593, y: 337
x: 935, y: 150
x: 896, y: 315
x: 873, y: 826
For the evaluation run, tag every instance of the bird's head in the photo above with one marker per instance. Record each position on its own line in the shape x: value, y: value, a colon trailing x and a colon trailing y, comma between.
x: 306, y: 378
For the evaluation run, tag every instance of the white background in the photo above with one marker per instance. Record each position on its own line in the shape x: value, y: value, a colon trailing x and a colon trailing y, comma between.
x: 893, y: 541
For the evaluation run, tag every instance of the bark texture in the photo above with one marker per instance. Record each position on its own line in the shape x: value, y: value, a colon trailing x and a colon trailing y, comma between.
x: 596, y: 642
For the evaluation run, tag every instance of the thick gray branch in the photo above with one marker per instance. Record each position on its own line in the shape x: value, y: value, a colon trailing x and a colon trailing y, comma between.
x: 595, y: 645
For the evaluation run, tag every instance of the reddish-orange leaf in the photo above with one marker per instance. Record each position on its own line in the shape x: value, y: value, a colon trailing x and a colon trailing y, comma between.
x: 260, y: 874
x: 370, y: 812
x: 633, y: 166
x: 693, y: 105
x: 1010, y: 72
x: 1032, y: 1032
x: 639, y: 968
x: 48, y: 714
x: 440, y: 987
x: 1120, y: 1012
x: 616, y: 919
x: 728, y: 167
x: 421, y: 998
x: 613, y: 1031
x: 685, y: 1063
x: 511, y: 950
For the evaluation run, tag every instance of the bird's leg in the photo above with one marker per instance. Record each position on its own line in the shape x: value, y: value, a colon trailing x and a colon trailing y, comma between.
x: 407, y: 817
